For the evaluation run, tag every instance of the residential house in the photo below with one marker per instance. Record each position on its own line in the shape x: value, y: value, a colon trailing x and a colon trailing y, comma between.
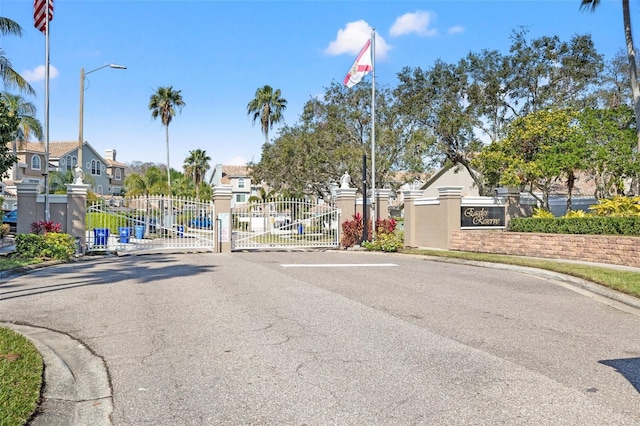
x: 104, y: 174
x: 242, y: 187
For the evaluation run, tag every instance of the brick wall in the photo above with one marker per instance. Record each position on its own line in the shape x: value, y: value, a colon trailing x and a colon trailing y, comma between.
x: 592, y: 248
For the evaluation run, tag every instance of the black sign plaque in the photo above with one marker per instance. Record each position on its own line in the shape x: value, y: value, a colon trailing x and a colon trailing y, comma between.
x: 482, y: 216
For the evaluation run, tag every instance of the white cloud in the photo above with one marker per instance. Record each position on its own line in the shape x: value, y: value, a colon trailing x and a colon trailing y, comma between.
x: 37, y: 74
x: 417, y: 23
x: 352, y: 37
x: 236, y: 161
x: 455, y: 30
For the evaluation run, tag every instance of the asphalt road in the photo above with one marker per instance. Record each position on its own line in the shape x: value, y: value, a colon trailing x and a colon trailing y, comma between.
x: 338, y: 338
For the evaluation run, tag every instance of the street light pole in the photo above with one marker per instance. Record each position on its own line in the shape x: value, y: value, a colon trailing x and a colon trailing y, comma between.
x: 79, y: 173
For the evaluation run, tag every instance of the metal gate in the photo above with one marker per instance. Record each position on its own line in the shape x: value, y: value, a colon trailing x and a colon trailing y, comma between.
x: 150, y: 223
x: 284, y: 224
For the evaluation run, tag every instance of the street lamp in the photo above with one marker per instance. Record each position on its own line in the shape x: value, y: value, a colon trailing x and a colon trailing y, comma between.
x: 79, y: 174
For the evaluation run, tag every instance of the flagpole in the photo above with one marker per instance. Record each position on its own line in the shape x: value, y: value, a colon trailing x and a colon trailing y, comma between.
x: 47, y: 216
x: 374, y: 217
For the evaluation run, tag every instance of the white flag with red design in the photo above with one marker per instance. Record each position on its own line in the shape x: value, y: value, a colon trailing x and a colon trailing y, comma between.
x: 361, y: 67
x: 40, y: 13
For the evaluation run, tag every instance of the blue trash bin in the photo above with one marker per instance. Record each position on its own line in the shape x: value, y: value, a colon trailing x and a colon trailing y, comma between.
x: 139, y: 231
x: 180, y: 229
x: 125, y: 234
x: 100, y: 236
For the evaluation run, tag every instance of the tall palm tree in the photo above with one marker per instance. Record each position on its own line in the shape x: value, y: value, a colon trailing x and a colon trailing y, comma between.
x: 28, y: 126
x: 195, y: 167
x: 633, y: 73
x: 267, y: 106
x: 163, y: 104
x: 10, y: 77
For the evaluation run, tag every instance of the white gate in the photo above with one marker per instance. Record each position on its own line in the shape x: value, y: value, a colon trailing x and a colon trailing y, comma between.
x: 284, y: 224
x: 151, y: 223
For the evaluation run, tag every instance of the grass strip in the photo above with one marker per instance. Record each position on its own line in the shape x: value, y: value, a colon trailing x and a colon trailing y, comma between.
x: 627, y: 282
x: 20, y: 378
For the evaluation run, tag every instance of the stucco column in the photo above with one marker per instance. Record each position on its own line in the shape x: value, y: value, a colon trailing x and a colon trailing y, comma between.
x: 27, y: 194
x: 514, y: 208
x: 410, y: 224
x: 382, y: 203
x: 450, y: 199
x: 222, y: 202
x: 345, y: 202
x: 77, y: 213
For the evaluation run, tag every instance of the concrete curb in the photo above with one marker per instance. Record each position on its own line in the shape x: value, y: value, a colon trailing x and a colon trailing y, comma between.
x: 77, y: 390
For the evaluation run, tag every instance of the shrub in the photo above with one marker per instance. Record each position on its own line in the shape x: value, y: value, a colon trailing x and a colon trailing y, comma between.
x: 594, y: 225
x: 389, y: 242
x: 4, y: 230
x: 539, y: 213
x: 617, y: 206
x: 42, y: 227
x: 352, y: 231
x: 48, y: 246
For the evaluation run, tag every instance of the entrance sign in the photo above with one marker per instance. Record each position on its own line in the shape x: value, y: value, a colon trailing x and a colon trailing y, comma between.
x: 482, y: 217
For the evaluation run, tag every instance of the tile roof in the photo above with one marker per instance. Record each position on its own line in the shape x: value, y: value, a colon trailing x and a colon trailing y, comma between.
x: 233, y: 171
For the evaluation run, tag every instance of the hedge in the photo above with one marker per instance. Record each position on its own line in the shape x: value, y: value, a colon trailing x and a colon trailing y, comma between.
x: 594, y: 225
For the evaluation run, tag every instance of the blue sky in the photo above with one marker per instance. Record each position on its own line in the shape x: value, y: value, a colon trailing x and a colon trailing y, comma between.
x: 219, y: 52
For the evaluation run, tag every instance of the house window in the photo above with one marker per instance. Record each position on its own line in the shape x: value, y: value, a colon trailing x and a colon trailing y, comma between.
x: 99, y: 190
x: 95, y: 167
x: 68, y: 163
x: 118, y: 174
x: 241, y: 198
x: 241, y: 183
x: 35, y: 162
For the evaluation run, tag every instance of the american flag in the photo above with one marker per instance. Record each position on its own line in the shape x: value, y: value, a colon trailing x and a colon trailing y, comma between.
x: 40, y: 13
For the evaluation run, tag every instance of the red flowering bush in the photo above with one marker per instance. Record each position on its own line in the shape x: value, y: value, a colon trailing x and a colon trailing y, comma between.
x: 43, y: 227
x: 352, y: 231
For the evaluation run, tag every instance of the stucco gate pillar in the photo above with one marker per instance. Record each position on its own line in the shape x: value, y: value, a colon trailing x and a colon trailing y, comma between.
x: 27, y: 194
x: 77, y: 213
x: 450, y: 200
x: 410, y: 218
x: 345, y: 201
x: 222, y: 202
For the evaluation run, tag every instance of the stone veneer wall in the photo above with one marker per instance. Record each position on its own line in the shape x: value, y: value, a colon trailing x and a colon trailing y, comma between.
x: 618, y: 250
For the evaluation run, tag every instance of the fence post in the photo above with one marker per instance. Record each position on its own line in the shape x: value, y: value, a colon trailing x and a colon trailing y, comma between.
x: 222, y: 202
x: 77, y: 213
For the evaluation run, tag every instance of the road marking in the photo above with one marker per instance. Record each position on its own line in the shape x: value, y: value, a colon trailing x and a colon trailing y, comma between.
x: 334, y: 265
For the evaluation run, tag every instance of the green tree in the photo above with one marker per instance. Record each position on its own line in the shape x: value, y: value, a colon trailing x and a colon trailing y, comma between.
x: 196, y: 166
x: 152, y: 182
x: 267, y: 107
x: 10, y: 77
x: 9, y: 122
x: 332, y: 135
x: 631, y: 54
x: 612, y: 160
x: 28, y: 126
x: 163, y: 103
x: 540, y: 149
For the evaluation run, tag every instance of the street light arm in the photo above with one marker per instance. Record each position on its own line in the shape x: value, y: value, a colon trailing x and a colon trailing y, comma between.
x: 116, y: 66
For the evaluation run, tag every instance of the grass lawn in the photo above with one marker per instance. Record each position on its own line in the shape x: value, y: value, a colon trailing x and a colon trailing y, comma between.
x: 20, y: 378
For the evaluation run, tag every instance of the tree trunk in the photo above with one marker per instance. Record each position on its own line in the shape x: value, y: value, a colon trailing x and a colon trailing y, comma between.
x: 166, y: 128
x: 633, y: 73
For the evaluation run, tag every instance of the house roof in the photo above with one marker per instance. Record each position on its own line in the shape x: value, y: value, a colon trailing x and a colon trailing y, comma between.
x: 59, y: 149
x: 229, y: 172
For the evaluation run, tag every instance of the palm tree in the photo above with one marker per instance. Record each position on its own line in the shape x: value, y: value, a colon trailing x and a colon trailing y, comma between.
x: 267, y: 106
x: 10, y: 77
x: 195, y: 167
x: 29, y: 125
x: 633, y: 73
x: 163, y: 104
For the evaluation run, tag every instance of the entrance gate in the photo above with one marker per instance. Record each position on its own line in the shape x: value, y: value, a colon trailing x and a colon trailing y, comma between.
x: 151, y: 223
x: 284, y: 224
